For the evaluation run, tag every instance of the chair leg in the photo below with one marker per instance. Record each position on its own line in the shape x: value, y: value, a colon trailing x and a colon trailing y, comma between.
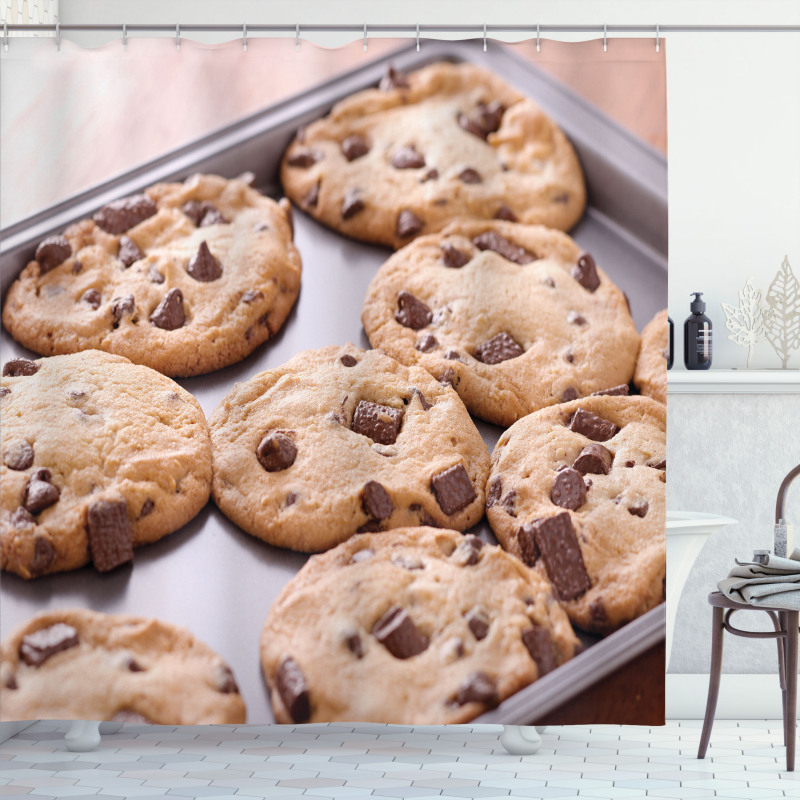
x: 790, y: 717
x: 784, y: 625
x: 717, y: 632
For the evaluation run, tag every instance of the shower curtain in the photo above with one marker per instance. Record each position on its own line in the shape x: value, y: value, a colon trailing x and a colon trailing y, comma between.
x: 151, y: 573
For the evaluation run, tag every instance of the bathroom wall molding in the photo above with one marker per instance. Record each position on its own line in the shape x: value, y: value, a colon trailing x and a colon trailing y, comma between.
x: 734, y: 381
x: 741, y: 696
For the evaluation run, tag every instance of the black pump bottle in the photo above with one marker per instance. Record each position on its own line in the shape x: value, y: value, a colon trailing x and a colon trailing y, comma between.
x: 697, y: 336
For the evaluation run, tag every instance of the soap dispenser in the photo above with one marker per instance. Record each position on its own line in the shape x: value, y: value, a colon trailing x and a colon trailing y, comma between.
x: 697, y: 336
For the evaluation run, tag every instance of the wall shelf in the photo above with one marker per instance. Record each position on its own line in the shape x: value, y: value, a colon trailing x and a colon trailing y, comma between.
x: 734, y: 381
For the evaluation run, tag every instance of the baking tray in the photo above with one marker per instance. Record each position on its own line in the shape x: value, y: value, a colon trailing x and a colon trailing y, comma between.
x: 219, y: 581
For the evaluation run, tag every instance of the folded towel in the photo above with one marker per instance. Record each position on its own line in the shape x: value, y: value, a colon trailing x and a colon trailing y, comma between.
x: 775, y: 583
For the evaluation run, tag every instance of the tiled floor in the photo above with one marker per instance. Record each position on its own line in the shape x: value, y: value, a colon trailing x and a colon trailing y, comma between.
x: 745, y: 760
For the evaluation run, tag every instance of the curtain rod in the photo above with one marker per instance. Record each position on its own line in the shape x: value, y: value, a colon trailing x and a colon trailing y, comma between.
x: 411, y: 29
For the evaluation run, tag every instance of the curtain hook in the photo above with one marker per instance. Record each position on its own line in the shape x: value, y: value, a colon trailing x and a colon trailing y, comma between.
x: 658, y: 40
x: 484, y: 37
x: 365, y: 37
x: 58, y: 36
x: 538, y: 43
x: 418, y: 37
x: 244, y: 37
x: 605, y: 38
x: 178, y: 37
x: 124, y: 36
x: 5, y: 36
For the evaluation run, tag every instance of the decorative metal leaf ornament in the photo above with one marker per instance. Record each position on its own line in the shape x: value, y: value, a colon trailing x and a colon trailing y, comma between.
x: 783, y: 325
x: 747, y: 322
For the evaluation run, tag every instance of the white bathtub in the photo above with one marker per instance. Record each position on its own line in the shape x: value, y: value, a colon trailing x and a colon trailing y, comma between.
x: 687, y: 532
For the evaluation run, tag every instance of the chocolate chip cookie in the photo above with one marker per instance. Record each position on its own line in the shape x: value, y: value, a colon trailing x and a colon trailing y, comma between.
x: 80, y: 664
x: 419, y: 626
x: 98, y: 456
x: 578, y: 492
x: 447, y: 141
x: 650, y: 376
x: 185, y: 278
x: 515, y: 317
x: 340, y: 441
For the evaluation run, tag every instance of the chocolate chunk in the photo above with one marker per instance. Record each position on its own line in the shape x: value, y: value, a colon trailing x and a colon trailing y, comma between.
x: 76, y: 267
x: 393, y: 79
x: 40, y: 645
x: 408, y: 158
x: 10, y: 682
x: 660, y: 465
x: 574, y: 318
x: 504, y: 212
x: 291, y: 499
x: 380, y: 423
x: 484, y: 120
x: 450, y: 378
x: 311, y: 197
x: 354, y: 147
x: 639, y: 508
x: 424, y: 517
x: 467, y: 554
x: 276, y: 452
x: 470, y: 175
x: 121, y: 215
x: 478, y: 623
x: 569, y: 357
x: 408, y: 562
x: 509, y: 503
x: 224, y: 680
x: 352, y: 204
x: 422, y: 399
x: 121, y: 306
x: 453, y: 257
x: 92, y: 297
x: 293, y: 690
x: 110, y: 536
x: 562, y: 198
x: 592, y: 426
x: 362, y: 555
x: 21, y: 518
x: 412, y: 313
x: 430, y: 175
x: 203, y: 213
x: 203, y: 266
x: 478, y: 687
x: 18, y: 455
x: 452, y: 355
x: 304, y: 157
x: 499, y: 348
x: 129, y: 253
x: 491, y: 240
x: 4, y: 391
x: 43, y: 555
x: 353, y: 643
x: 569, y: 490
x: 39, y: 492
x: 557, y: 543
x: 348, y: 360
x: 426, y: 342
x: 595, y: 459
x: 169, y: 313
x: 130, y: 717
x: 540, y: 645
x: 16, y: 367
x: 453, y: 489
x: 375, y: 501
x: 251, y: 296
x: 147, y: 508
x: 615, y: 391
x: 154, y: 275
x: 570, y: 393
x: 408, y: 224
x: 585, y: 272
x: 396, y: 631
x: 495, y: 491
x: 51, y: 252
x: 630, y: 464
